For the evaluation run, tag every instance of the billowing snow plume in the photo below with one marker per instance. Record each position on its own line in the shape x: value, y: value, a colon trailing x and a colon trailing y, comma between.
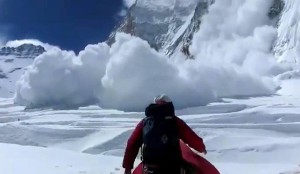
x: 236, y: 38
x: 136, y: 73
x: 133, y: 75
x: 59, y: 78
x: 232, y: 53
x: 238, y: 33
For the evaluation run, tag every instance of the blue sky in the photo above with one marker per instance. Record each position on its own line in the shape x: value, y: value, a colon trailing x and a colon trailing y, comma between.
x: 69, y: 24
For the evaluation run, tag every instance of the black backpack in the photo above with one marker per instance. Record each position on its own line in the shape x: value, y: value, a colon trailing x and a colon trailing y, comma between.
x: 160, y: 136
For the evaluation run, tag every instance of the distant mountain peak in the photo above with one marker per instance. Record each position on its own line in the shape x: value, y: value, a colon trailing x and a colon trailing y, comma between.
x: 23, y: 51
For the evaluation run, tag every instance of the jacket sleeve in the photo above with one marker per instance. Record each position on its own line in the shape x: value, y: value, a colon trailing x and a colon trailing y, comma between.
x: 188, y: 136
x: 134, y: 143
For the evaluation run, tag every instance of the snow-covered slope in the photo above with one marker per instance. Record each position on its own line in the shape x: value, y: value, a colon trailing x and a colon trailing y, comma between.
x: 13, y: 63
x: 287, y: 48
x: 32, y: 160
x: 252, y: 135
x: 11, y: 69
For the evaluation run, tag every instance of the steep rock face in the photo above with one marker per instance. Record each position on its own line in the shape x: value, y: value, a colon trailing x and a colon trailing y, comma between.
x: 187, y: 31
x: 163, y: 23
x: 276, y: 9
x: 23, y: 51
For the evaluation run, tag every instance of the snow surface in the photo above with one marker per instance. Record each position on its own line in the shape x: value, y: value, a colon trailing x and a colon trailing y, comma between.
x: 249, y: 135
x: 32, y: 160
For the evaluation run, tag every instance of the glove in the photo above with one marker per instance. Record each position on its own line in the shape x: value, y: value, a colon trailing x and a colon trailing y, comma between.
x: 127, y: 171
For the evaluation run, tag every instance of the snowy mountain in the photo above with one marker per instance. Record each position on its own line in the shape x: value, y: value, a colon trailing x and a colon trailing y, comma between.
x: 13, y: 63
x: 23, y: 51
x: 170, y: 25
x: 164, y: 24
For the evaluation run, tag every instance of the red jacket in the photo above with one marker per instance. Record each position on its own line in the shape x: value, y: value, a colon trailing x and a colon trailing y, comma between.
x: 186, y: 134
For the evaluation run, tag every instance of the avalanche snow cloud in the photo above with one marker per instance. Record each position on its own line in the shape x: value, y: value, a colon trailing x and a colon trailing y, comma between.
x: 240, y: 33
x: 126, y: 76
x: 233, y: 58
x: 136, y: 73
x: 62, y: 79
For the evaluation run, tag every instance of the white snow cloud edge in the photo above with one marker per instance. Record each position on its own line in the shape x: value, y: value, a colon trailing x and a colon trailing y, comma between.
x: 126, y: 76
x: 16, y: 43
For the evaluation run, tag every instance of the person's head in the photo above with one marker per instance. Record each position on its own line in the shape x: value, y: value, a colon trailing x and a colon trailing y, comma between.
x: 162, y: 105
x: 162, y: 99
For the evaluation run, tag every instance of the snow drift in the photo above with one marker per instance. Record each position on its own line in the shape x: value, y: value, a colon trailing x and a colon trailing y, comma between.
x: 233, y: 58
